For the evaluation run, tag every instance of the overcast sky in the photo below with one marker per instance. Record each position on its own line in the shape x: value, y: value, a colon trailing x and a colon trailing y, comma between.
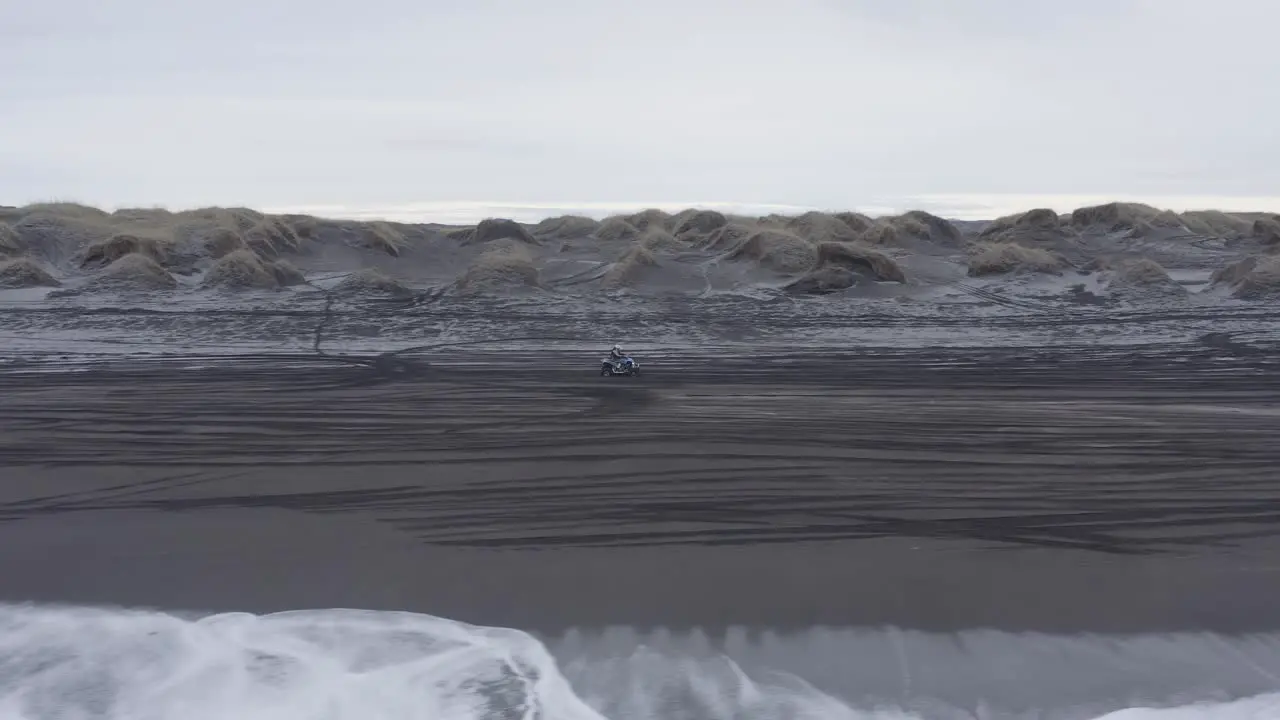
x: 450, y: 108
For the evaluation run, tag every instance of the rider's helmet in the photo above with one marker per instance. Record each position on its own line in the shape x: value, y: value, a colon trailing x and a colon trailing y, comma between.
x: 617, y: 349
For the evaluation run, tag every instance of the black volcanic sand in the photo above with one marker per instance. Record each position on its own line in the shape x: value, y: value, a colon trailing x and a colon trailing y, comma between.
x: 935, y: 489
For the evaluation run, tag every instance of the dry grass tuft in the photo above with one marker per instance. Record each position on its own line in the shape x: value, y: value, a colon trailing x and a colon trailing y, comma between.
x: 491, y: 229
x: 237, y: 219
x: 881, y: 233
x: 287, y: 275
x: 1036, y: 219
x: 857, y: 222
x: 615, y: 229
x: 462, y: 236
x: 103, y: 253
x: 146, y: 217
x: 1136, y: 273
x: 1039, y: 217
x: 729, y: 237
x: 506, y: 264
x: 59, y: 238
x: 1215, y: 223
x: 1252, y: 278
x: 1167, y: 219
x: 1113, y: 217
x: 133, y: 272
x: 25, y: 273
x: 841, y: 264
x: 657, y: 240
x: 1140, y: 219
x: 915, y: 225
x: 240, y: 270
x: 566, y: 227
x: 67, y: 210
x: 1234, y: 273
x: 927, y: 226
x: 778, y: 250
x: 624, y: 272
x: 1263, y: 281
x: 699, y: 223
x: 270, y: 238
x: 860, y: 258
x: 651, y: 218
x: 987, y: 258
x: 10, y: 243
x: 372, y: 282
x: 383, y: 238
x: 1141, y: 271
x: 814, y: 226
x: 1266, y: 229
x: 223, y: 241
x: 908, y: 226
x: 823, y: 281
x: 304, y: 226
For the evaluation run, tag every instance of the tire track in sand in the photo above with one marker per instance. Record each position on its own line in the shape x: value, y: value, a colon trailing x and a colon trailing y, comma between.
x: 1098, y: 451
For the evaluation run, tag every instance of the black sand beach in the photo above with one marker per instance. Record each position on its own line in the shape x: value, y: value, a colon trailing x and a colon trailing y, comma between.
x: 1051, y: 423
x: 1020, y: 489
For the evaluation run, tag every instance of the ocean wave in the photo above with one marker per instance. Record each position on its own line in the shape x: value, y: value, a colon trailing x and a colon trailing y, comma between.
x: 77, y: 663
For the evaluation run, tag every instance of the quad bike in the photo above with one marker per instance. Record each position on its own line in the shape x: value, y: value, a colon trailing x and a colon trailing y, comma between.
x: 623, y: 366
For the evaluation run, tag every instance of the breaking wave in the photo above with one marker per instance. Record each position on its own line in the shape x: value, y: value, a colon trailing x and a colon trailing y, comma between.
x: 80, y: 663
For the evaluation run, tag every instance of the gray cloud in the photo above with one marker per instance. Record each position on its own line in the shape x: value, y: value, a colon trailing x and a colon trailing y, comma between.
x: 828, y: 103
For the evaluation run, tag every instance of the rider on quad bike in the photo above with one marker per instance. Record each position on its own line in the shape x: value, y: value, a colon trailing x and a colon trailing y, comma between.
x: 618, y: 363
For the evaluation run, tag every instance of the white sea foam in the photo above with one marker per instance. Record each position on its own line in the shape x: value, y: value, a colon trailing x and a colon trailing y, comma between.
x: 77, y: 664
x: 68, y: 663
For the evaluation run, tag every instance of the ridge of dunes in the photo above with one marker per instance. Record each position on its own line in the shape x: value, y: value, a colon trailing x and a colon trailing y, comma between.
x: 85, y: 249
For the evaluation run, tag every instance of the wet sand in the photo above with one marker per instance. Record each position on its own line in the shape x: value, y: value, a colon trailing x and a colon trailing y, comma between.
x: 1020, y: 489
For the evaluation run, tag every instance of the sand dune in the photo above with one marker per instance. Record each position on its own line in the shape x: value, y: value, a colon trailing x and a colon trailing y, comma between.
x: 372, y: 282
x: 504, y: 265
x: 1136, y: 278
x: 1039, y: 227
x: 700, y: 223
x: 133, y: 272
x: 842, y: 265
x: 1004, y: 258
x: 778, y: 250
x: 104, y: 252
x: 1251, y: 278
x: 630, y: 266
x: 493, y: 229
x: 9, y: 241
x: 615, y: 229
x: 1267, y: 229
x: 25, y: 273
x: 691, y: 252
x: 567, y: 227
x: 242, y: 269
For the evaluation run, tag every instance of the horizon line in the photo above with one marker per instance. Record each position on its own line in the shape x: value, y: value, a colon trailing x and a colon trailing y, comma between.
x: 951, y: 206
